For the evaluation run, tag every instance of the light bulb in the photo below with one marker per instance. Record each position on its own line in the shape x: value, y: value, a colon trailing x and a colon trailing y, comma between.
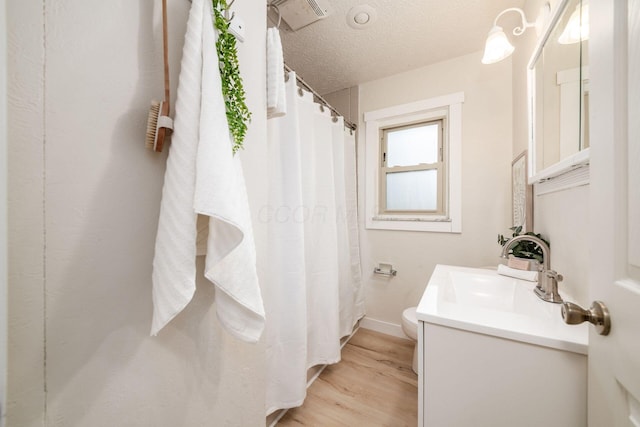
x: 497, y: 46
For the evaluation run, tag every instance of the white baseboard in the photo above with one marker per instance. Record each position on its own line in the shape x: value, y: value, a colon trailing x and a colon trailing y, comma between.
x: 383, y: 327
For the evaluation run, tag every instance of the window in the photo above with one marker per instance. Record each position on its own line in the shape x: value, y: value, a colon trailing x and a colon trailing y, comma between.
x: 413, y: 155
x: 412, y: 164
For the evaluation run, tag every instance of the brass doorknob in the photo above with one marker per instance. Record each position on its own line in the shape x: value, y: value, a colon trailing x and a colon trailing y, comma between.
x: 597, y: 315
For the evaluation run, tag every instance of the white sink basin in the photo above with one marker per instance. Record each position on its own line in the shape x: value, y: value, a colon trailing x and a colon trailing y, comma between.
x: 483, y: 301
x: 481, y: 290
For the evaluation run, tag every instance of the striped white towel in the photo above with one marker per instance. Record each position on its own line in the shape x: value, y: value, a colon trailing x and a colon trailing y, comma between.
x: 203, y: 177
x: 276, y: 99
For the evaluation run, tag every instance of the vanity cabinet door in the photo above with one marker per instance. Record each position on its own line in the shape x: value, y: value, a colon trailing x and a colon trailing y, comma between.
x: 472, y: 379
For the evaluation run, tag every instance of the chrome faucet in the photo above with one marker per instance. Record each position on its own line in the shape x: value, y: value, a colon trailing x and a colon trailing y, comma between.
x: 547, y: 287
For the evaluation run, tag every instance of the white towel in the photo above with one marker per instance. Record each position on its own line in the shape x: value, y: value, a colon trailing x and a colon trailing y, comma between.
x: 276, y: 99
x: 531, y: 276
x: 203, y: 177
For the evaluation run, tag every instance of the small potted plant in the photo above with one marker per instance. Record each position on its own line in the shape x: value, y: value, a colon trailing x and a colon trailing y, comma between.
x: 525, y: 249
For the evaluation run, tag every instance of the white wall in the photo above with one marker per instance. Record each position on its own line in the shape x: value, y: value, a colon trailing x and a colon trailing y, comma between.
x: 84, y: 198
x: 3, y: 212
x: 562, y: 217
x: 346, y: 102
x: 486, y: 188
x: 25, y: 377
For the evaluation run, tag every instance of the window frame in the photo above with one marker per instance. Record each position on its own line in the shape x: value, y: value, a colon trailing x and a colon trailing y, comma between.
x: 449, y: 220
x: 438, y: 166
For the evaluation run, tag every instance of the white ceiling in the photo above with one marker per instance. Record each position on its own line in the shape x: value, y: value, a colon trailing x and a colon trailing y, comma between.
x: 408, y: 34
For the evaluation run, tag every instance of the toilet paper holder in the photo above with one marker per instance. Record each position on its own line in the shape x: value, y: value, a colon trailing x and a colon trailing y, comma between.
x: 385, y: 269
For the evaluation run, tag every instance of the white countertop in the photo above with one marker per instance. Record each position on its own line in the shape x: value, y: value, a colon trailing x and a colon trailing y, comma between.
x: 482, y: 301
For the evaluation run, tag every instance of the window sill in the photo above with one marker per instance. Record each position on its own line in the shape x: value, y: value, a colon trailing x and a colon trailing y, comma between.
x: 436, y: 225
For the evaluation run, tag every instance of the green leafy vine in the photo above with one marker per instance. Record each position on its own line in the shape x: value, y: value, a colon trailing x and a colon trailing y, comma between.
x: 238, y: 115
x: 524, y: 248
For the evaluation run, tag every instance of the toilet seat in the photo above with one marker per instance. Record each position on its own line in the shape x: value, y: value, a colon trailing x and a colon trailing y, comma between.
x: 410, y: 323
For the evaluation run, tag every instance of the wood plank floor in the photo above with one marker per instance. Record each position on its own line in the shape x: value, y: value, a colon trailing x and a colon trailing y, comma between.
x: 373, y: 385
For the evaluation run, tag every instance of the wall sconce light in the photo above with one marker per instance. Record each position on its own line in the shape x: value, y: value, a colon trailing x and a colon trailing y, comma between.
x: 498, y: 47
x: 577, y: 28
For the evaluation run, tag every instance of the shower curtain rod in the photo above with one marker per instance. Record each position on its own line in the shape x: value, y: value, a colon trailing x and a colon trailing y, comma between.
x: 324, y: 102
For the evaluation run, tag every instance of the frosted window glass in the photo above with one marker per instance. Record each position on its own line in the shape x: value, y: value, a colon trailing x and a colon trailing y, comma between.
x: 412, y: 146
x: 412, y: 191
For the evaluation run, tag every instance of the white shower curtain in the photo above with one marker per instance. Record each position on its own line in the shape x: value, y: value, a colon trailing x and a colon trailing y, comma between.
x: 313, y: 294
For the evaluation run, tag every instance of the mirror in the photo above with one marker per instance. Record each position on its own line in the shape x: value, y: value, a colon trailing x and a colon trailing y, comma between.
x: 559, y: 94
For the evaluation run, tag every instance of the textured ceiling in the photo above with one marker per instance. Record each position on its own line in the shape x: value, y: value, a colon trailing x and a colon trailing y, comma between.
x: 408, y: 34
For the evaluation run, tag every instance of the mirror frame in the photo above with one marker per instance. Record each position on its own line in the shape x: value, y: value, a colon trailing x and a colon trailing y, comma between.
x: 574, y: 168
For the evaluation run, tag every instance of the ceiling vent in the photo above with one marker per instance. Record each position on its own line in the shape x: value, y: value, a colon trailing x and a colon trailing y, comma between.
x: 300, y: 13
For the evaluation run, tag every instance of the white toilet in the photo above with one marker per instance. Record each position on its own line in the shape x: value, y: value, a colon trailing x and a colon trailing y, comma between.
x: 410, y: 327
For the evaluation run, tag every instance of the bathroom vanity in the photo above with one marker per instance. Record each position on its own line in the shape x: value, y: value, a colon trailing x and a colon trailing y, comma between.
x: 491, y: 353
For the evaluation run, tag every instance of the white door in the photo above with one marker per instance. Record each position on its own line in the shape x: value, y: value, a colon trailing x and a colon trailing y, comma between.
x: 614, y: 360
